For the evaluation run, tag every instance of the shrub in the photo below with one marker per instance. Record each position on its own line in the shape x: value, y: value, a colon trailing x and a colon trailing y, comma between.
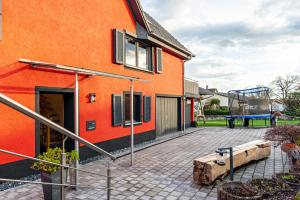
x: 284, y: 134
x: 52, y: 155
x: 216, y: 112
x: 72, y: 156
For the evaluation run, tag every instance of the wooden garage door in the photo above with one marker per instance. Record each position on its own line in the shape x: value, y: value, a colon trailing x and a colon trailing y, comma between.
x: 166, y: 115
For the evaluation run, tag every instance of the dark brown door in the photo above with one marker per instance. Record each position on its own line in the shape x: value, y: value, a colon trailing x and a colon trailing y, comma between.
x: 188, y: 119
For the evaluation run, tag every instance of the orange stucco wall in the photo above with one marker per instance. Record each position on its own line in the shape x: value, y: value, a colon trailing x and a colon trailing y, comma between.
x: 76, y: 34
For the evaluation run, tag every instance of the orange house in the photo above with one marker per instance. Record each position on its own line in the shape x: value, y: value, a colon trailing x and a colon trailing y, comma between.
x: 115, y: 37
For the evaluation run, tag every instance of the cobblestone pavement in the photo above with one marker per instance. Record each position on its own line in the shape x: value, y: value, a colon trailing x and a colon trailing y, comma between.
x: 165, y: 171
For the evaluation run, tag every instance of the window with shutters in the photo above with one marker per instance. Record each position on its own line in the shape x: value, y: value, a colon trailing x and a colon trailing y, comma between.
x: 159, y: 62
x: 147, y: 108
x: 137, y: 108
x: 117, y: 110
x: 137, y: 54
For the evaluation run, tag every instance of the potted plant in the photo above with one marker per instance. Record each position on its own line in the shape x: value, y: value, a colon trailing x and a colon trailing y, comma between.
x: 290, y: 179
x: 268, y: 187
x: 50, y: 173
x: 72, y: 157
x: 237, y: 190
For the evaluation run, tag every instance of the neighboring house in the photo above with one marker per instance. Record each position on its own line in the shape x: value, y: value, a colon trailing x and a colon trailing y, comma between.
x: 115, y: 37
x: 215, y: 94
x: 277, y: 105
x: 192, y: 97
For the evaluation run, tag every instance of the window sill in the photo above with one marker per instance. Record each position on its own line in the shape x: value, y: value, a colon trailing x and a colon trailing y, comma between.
x: 139, y: 69
x: 128, y: 124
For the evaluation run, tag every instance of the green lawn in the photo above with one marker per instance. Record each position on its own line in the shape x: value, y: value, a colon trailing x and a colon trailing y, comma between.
x: 256, y: 123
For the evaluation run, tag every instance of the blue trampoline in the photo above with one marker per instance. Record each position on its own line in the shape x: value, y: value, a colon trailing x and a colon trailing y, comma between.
x: 249, y: 104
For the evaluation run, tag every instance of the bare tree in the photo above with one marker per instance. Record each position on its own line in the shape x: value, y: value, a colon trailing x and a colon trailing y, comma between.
x: 285, y: 85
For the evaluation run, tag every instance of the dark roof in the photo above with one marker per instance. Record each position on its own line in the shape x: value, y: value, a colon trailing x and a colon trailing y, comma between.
x: 223, y: 94
x: 214, y: 90
x: 203, y: 91
x: 160, y: 32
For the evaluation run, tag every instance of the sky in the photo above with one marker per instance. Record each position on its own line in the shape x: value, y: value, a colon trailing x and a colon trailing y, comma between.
x: 238, y: 43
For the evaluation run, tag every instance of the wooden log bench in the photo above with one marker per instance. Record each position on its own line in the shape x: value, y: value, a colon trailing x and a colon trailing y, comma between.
x: 206, y: 169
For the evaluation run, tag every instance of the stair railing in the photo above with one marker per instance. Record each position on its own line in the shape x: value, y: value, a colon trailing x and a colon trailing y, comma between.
x: 26, y: 111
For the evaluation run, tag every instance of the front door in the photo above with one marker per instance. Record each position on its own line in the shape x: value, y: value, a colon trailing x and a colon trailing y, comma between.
x: 59, y: 108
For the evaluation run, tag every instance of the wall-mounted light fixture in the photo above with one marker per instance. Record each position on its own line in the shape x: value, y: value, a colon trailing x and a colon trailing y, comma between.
x: 92, y: 97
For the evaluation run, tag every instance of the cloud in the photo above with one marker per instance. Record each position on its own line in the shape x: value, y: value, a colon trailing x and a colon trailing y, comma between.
x: 239, y: 33
x: 238, y: 44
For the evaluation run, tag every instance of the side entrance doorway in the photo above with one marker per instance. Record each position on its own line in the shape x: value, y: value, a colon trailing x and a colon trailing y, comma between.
x: 56, y: 104
x: 188, y: 113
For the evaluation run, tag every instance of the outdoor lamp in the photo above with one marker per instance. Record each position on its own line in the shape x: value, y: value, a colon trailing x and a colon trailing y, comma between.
x: 92, y: 97
x: 220, y: 158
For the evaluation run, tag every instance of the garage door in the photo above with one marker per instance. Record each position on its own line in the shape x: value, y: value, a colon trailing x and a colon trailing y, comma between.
x: 166, y: 115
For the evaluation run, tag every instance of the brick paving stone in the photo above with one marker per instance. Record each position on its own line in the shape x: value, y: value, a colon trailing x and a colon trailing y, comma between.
x: 165, y: 171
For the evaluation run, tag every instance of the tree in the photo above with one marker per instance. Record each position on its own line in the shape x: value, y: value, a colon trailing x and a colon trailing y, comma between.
x: 214, y: 103
x: 283, y: 86
x: 292, y: 104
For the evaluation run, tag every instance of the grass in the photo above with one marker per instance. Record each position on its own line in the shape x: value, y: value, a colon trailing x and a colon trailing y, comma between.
x: 256, y: 122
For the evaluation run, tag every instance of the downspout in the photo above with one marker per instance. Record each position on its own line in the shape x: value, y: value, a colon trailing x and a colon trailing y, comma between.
x: 183, y: 97
x: 76, y: 119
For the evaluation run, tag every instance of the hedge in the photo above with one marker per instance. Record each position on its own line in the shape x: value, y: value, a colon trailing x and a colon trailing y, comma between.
x: 216, y: 112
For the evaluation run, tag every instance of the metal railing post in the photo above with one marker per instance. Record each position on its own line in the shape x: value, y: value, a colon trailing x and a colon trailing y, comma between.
x: 63, y: 175
x: 108, y: 181
x: 131, y: 123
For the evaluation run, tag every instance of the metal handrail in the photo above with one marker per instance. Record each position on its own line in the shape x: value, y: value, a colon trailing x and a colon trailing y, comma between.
x: 22, y: 109
x: 19, y: 107
x: 54, y: 184
x: 49, y: 162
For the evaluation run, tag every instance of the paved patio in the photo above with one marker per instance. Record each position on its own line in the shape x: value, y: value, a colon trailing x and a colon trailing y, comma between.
x: 165, y: 171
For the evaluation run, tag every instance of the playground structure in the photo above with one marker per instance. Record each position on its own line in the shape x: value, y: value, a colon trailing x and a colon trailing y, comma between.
x: 249, y: 104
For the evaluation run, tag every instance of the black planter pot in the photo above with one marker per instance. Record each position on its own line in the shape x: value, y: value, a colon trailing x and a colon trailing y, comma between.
x: 51, y: 192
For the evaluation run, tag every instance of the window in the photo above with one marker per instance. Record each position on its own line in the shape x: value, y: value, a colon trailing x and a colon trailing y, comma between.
x: 137, y: 108
x: 130, y: 57
x: 143, y: 57
x: 137, y: 54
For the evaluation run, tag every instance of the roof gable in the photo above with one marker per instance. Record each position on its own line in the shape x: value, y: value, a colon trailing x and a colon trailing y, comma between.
x: 148, y: 26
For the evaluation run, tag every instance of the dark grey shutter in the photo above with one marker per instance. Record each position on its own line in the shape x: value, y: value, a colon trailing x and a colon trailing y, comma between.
x: 118, y: 46
x: 159, y: 64
x: 152, y: 59
x: 147, y: 108
x: 117, y: 110
x: 0, y: 19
